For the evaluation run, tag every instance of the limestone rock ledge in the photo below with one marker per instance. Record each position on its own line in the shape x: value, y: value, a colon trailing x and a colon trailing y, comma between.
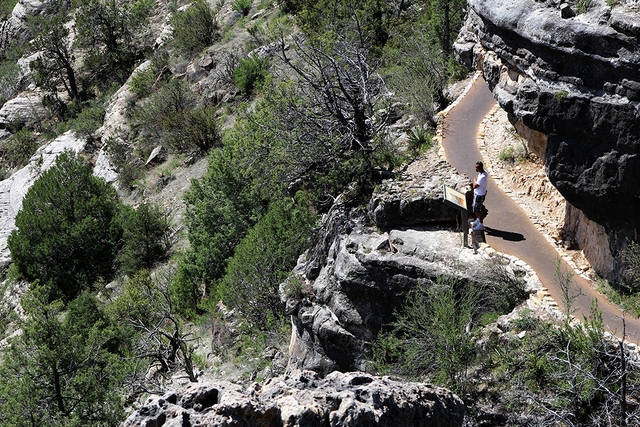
x: 358, y: 277
x: 415, y: 196
x: 304, y: 399
x: 576, y: 80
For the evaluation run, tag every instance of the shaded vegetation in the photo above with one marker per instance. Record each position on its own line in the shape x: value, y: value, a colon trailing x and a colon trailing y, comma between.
x: 175, y: 117
x: 64, y: 370
x: 315, y: 128
x: 145, y: 236
x: 221, y: 208
x: 527, y: 370
x: 264, y: 259
x: 434, y: 334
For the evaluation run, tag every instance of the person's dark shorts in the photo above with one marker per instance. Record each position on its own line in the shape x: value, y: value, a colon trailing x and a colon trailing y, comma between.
x: 478, y: 203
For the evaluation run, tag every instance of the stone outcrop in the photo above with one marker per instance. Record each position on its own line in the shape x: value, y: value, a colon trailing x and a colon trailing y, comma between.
x: 26, y: 109
x: 576, y: 80
x: 14, y: 28
x: 359, y: 277
x: 304, y: 399
x: 416, y: 197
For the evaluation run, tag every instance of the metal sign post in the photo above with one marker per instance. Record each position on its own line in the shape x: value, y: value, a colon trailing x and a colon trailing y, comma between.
x: 457, y: 200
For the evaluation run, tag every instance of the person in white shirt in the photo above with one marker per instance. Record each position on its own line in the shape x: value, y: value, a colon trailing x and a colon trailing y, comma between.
x: 480, y: 192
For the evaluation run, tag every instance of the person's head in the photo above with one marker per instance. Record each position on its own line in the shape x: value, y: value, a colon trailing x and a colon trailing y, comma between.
x: 479, y: 167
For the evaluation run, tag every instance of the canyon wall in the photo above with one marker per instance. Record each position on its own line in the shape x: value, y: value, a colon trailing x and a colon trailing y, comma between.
x: 575, y: 78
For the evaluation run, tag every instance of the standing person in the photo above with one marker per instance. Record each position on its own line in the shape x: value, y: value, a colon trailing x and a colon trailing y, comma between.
x: 479, y: 192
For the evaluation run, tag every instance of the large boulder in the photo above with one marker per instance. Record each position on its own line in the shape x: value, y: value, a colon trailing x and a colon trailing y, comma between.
x: 304, y: 399
x: 415, y: 195
x: 25, y: 109
x: 577, y: 81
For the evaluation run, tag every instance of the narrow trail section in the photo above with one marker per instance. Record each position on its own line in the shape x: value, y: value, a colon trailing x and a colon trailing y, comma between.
x: 508, y: 227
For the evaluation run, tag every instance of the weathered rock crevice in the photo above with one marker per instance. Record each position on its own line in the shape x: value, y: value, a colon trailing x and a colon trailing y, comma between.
x: 572, y: 88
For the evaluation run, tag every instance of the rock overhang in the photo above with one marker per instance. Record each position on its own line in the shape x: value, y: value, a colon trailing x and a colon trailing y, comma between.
x: 577, y: 81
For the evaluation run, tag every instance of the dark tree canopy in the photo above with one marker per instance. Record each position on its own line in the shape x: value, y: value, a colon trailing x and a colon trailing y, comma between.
x: 146, y: 238
x: 112, y: 34
x: 68, y: 230
x: 64, y: 369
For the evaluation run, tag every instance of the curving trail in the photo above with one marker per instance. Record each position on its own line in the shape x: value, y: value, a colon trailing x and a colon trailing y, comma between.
x: 508, y: 228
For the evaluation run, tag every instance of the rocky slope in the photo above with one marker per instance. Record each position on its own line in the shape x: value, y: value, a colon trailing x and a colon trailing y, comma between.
x: 360, y: 268
x: 570, y: 83
x: 301, y: 398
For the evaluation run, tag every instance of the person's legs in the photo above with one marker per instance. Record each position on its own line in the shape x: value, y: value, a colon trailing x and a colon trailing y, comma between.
x: 478, y: 207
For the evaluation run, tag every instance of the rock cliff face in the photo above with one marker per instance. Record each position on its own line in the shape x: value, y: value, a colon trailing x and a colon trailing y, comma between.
x: 360, y: 275
x: 573, y: 81
x: 303, y: 399
x: 14, y: 29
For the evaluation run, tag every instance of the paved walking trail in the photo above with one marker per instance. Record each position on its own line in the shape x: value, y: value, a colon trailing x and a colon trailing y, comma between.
x: 508, y: 228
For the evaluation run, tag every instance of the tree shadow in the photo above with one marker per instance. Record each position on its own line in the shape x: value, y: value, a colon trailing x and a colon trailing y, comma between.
x: 504, y: 235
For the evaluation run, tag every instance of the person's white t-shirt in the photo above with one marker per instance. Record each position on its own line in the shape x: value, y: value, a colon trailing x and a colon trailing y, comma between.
x: 481, y: 180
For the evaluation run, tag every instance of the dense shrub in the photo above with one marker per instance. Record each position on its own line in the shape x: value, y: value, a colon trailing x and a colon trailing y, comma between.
x: 173, y: 116
x: 111, y: 34
x: 19, y: 148
x: 221, y: 207
x: 251, y: 73
x: 125, y: 162
x: 419, y: 139
x: 68, y: 229
x: 65, y: 368
x: 416, y: 72
x: 285, y: 140
x: 142, y: 82
x: 242, y: 6
x: 429, y: 336
x: 87, y: 120
x: 6, y: 6
x: 199, y: 131
x: 264, y: 259
x: 194, y: 28
x: 433, y: 335
x: 631, y: 259
x: 145, y: 236
x: 582, y: 6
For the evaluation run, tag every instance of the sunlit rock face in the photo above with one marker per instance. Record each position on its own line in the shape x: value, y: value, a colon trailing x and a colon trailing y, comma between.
x: 303, y: 399
x: 574, y: 77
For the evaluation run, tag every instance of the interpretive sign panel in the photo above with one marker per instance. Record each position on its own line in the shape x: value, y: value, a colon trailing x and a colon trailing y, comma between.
x: 458, y: 200
x: 455, y: 198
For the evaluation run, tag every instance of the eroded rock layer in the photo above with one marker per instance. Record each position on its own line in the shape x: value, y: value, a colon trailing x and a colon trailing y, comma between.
x: 305, y: 399
x: 576, y: 79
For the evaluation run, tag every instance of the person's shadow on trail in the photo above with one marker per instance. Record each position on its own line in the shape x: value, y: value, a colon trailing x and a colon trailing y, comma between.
x: 504, y: 235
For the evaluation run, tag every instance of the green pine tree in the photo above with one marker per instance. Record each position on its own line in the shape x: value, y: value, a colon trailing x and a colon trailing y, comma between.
x: 68, y: 230
x: 66, y: 369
